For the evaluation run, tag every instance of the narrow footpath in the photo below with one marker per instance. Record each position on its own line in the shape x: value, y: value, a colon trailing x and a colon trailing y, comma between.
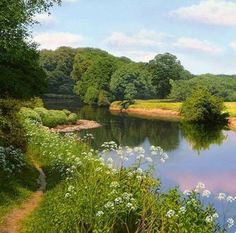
x: 13, y: 220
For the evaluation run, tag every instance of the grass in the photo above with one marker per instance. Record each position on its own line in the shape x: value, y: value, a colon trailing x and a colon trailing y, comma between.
x: 168, y: 105
x: 16, y: 189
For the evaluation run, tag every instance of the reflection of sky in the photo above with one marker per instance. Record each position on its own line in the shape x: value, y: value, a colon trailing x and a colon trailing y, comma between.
x: 215, y: 167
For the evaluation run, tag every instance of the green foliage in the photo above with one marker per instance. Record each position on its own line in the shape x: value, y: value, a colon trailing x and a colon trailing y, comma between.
x: 103, y: 98
x: 201, y: 136
x: 94, y: 68
x: 20, y: 73
x: 53, y: 118
x: 166, y: 67
x: 16, y: 184
x: 221, y: 86
x: 91, y: 95
x: 28, y: 113
x: 131, y: 81
x: 11, y: 131
x: 72, y: 118
x: 58, y: 65
x: 202, y: 106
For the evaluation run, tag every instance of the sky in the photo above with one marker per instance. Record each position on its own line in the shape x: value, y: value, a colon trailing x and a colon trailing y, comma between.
x: 201, y: 33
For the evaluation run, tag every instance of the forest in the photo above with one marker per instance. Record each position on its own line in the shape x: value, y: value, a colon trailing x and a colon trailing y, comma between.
x: 98, y: 77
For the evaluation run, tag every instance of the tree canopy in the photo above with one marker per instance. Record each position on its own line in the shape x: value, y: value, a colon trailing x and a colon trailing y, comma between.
x: 221, y: 86
x: 166, y: 67
x: 131, y: 81
x: 20, y: 75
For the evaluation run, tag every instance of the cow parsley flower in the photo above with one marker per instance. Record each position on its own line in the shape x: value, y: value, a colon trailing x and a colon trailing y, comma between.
x: 209, y: 219
x: 170, y: 213
x: 206, y: 193
x: 99, y: 213
x: 221, y: 196
x: 230, y: 222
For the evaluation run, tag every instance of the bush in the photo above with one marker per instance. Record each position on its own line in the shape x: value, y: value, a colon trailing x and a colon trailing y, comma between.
x: 67, y: 112
x: 11, y: 129
x: 28, y: 113
x: 52, y: 118
x: 72, y: 118
x: 202, y: 106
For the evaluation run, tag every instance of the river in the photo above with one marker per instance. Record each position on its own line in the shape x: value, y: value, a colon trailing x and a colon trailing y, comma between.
x: 196, y: 153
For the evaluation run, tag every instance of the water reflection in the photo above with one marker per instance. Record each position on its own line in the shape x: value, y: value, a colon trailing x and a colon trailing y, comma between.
x: 130, y: 131
x: 201, y: 136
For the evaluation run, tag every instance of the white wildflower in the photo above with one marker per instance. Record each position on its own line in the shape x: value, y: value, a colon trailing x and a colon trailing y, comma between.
x: 182, y: 210
x: 99, y: 213
x: 209, y: 219
x: 170, y: 213
x: 206, y: 193
x: 230, y: 222
x: 221, y: 196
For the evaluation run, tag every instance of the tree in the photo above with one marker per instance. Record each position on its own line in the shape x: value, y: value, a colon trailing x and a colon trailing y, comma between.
x: 202, y: 106
x: 91, y: 95
x: 94, y: 68
x: 166, y: 67
x: 58, y: 65
x: 131, y: 81
x: 20, y: 73
x: 218, y: 85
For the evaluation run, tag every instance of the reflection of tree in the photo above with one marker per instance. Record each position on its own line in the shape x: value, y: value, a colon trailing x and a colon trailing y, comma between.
x: 201, y: 136
x: 130, y: 131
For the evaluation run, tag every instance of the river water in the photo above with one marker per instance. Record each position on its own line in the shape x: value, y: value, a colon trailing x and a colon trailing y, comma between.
x: 196, y: 153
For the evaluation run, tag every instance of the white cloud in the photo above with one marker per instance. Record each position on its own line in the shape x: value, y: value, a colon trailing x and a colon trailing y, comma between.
x: 194, y: 44
x: 143, y: 38
x: 70, y: 0
x: 53, y: 40
x: 233, y: 45
x: 44, y: 18
x: 215, y: 12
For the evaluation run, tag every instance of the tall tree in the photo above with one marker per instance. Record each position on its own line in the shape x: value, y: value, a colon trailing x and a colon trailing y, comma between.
x: 131, y: 81
x: 166, y: 67
x: 21, y: 75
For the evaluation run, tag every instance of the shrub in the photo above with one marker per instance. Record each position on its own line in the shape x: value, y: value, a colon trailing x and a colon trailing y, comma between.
x: 52, y: 118
x: 28, y: 113
x: 72, y: 118
x: 67, y: 112
x: 202, y: 106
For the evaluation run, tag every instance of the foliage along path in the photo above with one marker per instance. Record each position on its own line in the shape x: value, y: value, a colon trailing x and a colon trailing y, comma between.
x: 13, y: 220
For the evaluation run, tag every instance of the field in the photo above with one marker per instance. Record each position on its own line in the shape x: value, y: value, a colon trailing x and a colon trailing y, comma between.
x: 168, y: 105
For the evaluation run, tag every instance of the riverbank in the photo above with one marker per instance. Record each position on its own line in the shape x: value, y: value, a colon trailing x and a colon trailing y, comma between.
x: 165, y: 109
x: 78, y: 126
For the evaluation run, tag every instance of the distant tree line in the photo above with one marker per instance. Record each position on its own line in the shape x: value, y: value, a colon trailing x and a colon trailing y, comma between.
x: 99, y: 77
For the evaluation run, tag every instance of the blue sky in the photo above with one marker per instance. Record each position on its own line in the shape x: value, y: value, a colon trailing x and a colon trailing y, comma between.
x: 201, y: 33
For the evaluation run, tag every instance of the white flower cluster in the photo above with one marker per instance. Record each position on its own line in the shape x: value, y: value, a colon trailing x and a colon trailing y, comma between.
x: 109, y: 146
x: 211, y: 218
x: 224, y: 197
x: 126, y: 200
x: 11, y: 160
x: 87, y: 137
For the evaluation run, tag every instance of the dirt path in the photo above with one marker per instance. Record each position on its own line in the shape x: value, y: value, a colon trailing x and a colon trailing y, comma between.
x: 13, y: 220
